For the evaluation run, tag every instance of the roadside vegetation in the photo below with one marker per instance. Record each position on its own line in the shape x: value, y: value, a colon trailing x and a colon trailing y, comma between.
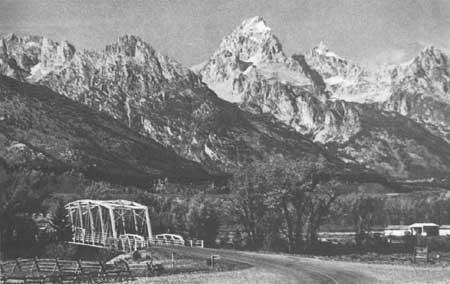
x: 278, y: 206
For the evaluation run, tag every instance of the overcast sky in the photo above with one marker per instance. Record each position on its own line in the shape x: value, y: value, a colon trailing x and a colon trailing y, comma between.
x: 365, y: 31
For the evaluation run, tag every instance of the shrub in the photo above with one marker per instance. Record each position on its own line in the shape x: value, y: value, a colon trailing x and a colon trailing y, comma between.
x: 436, y: 243
x: 136, y: 255
x: 60, y: 250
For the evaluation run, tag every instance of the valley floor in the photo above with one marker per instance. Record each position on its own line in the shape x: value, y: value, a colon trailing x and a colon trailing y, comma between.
x: 399, y: 274
x: 246, y: 276
x: 293, y: 269
x: 392, y: 274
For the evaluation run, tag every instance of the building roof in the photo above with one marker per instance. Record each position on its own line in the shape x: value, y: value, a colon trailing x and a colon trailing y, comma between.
x: 397, y: 227
x: 445, y: 227
x: 423, y: 225
x: 113, y: 204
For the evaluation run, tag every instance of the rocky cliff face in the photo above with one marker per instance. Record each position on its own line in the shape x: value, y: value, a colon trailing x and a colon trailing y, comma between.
x: 326, y: 98
x: 418, y: 89
x: 252, y: 44
x: 160, y: 99
x: 32, y: 57
x: 346, y: 80
x: 421, y: 91
x: 251, y: 69
x: 43, y: 131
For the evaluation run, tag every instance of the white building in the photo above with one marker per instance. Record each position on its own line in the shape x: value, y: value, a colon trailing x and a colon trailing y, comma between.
x: 424, y: 229
x: 396, y: 231
x: 444, y: 230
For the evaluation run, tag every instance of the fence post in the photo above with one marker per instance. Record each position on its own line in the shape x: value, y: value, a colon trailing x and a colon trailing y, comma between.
x: 214, y: 257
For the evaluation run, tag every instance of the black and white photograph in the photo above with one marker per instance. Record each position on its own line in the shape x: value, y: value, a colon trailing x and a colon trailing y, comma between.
x: 224, y: 141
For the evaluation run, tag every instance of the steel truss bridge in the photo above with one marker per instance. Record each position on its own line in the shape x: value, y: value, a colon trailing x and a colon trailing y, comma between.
x: 118, y: 224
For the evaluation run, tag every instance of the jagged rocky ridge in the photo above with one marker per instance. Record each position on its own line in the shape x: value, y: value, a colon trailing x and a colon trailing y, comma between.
x: 418, y: 89
x: 360, y: 115
x: 320, y: 95
x: 157, y: 97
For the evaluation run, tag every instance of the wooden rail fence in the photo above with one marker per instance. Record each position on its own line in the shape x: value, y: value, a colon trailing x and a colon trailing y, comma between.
x: 69, y: 271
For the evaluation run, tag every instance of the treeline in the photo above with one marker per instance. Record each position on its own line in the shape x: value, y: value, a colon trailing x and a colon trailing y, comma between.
x: 278, y: 205
x: 363, y: 212
x: 33, y: 221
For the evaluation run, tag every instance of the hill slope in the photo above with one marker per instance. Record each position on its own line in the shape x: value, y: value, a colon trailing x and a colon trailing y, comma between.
x: 44, y: 131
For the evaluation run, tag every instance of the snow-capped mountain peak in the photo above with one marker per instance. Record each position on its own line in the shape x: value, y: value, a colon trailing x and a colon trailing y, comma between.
x: 254, y: 25
x: 251, y: 50
x: 432, y: 58
x: 253, y: 41
x: 323, y: 50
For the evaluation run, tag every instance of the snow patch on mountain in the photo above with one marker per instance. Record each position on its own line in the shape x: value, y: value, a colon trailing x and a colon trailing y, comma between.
x: 323, y: 50
x: 211, y: 154
x: 348, y: 81
x: 254, y: 25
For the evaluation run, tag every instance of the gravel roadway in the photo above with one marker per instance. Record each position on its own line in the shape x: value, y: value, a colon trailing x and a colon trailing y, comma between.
x: 292, y: 269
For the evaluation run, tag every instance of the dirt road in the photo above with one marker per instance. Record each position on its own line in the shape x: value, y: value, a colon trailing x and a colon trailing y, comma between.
x: 296, y: 269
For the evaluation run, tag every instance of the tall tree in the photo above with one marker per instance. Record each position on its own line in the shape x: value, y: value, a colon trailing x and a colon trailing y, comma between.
x: 249, y: 190
x: 60, y: 223
x: 364, y: 210
x: 203, y: 220
x: 298, y: 193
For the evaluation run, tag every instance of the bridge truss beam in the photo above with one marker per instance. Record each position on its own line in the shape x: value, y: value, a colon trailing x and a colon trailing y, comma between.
x: 109, y: 223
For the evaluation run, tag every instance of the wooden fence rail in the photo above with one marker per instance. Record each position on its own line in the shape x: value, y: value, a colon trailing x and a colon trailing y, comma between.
x: 69, y: 271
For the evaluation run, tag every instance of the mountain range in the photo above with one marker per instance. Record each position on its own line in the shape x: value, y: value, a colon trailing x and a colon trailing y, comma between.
x: 145, y: 114
x: 392, y: 120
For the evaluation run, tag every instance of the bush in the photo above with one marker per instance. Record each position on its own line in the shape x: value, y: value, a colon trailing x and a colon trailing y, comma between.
x: 59, y: 250
x: 91, y: 253
x: 435, y: 243
x: 136, y: 256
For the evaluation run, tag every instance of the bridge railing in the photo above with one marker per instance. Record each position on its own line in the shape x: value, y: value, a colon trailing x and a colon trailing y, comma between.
x: 196, y: 243
x: 130, y: 242
x: 162, y: 242
x: 126, y: 242
x: 80, y: 235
